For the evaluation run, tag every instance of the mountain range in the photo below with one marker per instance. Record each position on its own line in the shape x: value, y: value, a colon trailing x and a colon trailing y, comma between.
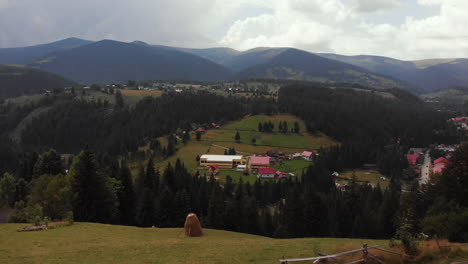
x: 113, y: 61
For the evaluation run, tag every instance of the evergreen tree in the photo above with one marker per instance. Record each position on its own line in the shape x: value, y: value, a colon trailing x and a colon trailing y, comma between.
x: 237, y: 137
x: 296, y: 127
x: 126, y: 196
x: 260, y: 127
x: 94, y: 199
x: 119, y: 102
x: 49, y: 162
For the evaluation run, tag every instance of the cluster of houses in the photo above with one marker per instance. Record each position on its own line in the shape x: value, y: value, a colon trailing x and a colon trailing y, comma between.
x: 261, y: 165
x: 415, y: 158
x: 460, y: 122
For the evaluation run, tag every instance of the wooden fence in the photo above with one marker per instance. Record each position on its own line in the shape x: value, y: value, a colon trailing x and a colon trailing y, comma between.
x: 325, y: 258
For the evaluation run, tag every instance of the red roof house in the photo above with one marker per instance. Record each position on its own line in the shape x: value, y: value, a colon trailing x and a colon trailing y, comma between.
x: 307, y: 155
x: 441, y: 160
x: 256, y: 162
x: 266, y: 173
x: 412, y: 158
x: 439, y: 168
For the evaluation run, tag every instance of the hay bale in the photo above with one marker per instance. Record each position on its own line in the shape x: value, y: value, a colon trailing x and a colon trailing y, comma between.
x: 192, y: 226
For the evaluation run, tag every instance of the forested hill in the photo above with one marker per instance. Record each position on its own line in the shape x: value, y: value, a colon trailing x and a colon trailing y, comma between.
x: 293, y: 64
x: 114, y: 61
x: 24, y: 55
x: 15, y: 81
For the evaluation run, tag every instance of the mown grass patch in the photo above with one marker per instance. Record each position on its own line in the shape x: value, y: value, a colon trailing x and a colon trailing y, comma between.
x: 363, y: 176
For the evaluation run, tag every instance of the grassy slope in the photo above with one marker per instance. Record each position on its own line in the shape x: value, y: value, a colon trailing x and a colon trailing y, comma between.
x: 367, y: 176
x: 216, y: 140
x: 96, y: 243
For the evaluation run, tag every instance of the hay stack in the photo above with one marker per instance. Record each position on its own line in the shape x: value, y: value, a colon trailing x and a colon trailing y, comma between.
x: 192, y: 226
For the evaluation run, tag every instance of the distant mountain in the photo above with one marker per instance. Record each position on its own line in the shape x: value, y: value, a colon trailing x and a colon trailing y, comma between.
x: 25, y: 55
x: 237, y: 60
x: 428, y: 75
x: 15, y: 81
x: 294, y: 64
x: 220, y: 56
x: 113, y: 61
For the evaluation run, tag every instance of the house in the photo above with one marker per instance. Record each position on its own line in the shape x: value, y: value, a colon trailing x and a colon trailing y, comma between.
x: 439, y: 168
x: 256, y: 162
x: 215, y: 125
x: 266, y: 173
x: 307, y: 155
x: 412, y: 158
x: 222, y: 161
x: 281, y: 175
x: 441, y: 160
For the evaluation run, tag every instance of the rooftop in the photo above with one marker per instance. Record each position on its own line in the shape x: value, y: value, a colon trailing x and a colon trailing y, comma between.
x: 211, y: 158
x: 266, y: 171
x: 260, y: 160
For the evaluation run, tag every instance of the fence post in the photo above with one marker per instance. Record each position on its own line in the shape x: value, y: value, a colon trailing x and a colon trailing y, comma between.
x: 364, y: 253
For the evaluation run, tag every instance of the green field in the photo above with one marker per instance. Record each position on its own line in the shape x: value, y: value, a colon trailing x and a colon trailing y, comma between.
x: 363, y: 176
x: 293, y: 166
x: 97, y: 243
x: 248, y: 129
x: 215, y: 141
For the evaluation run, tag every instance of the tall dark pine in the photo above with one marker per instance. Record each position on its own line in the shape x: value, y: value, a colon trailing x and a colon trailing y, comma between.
x: 126, y: 196
x: 93, y: 200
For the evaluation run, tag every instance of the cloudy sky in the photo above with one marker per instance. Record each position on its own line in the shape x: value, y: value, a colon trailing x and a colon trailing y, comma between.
x: 404, y: 29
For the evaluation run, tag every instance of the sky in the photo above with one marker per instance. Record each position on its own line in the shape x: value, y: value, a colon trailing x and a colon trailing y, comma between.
x: 402, y: 29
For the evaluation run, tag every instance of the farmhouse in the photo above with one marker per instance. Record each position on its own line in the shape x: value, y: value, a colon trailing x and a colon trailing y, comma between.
x: 222, y: 161
x: 256, y: 162
x: 307, y: 155
x: 266, y: 173
x: 412, y: 158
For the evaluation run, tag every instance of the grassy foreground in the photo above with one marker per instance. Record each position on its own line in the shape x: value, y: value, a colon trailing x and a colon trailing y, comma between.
x: 97, y: 243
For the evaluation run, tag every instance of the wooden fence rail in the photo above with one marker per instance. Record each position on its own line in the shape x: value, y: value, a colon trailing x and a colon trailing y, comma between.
x: 324, y: 257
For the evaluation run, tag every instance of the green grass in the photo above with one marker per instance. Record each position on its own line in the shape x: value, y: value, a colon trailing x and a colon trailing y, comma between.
x: 363, y: 176
x: 97, y: 243
x: 293, y: 166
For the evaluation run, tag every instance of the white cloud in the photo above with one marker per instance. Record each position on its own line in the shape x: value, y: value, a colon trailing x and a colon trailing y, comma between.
x: 336, y: 26
x: 340, y: 26
x: 369, y: 6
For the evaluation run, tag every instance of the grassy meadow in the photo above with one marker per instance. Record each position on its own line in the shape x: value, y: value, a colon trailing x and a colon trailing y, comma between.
x: 363, y: 176
x: 215, y: 141
x: 98, y: 243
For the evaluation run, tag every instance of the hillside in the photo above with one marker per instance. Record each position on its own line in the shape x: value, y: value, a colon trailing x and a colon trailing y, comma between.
x: 108, y: 61
x: 427, y: 75
x: 97, y: 243
x: 25, y: 55
x: 15, y: 81
x: 294, y: 64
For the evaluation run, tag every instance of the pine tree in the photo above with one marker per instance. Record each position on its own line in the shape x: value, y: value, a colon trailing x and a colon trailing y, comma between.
x: 237, y: 137
x: 296, y: 127
x: 94, y: 199
x: 126, y: 196
x: 260, y: 127
x: 119, y: 102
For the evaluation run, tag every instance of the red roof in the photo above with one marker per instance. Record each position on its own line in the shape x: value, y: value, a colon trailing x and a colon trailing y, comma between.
x: 266, y: 171
x: 260, y: 160
x: 307, y: 153
x: 441, y: 160
x: 412, y: 158
x: 200, y: 130
x: 438, y: 168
